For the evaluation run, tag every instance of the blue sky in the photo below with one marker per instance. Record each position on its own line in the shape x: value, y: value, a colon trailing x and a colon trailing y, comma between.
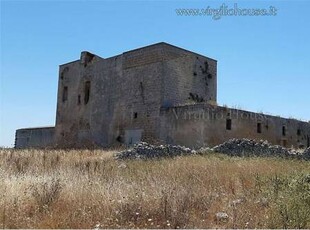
x: 263, y: 61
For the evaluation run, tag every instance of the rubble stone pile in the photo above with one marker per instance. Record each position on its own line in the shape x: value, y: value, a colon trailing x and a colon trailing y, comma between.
x: 144, y: 150
x: 306, y: 154
x: 233, y: 147
x: 247, y: 147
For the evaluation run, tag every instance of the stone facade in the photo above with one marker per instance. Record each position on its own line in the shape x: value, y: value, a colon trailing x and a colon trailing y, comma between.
x: 35, y: 137
x: 137, y: 96
x: 203, y: 124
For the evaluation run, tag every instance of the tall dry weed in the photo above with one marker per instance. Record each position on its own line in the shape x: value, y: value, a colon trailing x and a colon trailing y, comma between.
x: 88, y: 188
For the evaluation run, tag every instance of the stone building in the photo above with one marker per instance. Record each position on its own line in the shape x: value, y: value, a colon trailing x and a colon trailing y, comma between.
x: 160, y: 94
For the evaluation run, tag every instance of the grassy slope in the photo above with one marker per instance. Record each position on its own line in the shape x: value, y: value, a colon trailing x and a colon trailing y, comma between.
x: 79, y: 189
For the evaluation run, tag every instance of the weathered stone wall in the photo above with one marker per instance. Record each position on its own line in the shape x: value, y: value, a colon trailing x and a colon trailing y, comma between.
x: 190, y: 78
x: 34, y: 137
x: 127, y: 92
x: 120, y: 98
x: 202, y: 124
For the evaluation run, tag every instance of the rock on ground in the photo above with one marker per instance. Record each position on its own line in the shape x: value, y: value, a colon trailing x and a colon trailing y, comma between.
x: 306, y: 154
x: 221, y: 216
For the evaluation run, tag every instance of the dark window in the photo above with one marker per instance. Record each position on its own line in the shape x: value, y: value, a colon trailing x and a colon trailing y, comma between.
x: 298, y: 132
x: 259, y: 127
x: 119, y: 138
x: 86, y: 92
x: 79, y: 99
x: 135, y: 115
x: 283, y: 131
x: 228, y: 124
x: 65, y: 94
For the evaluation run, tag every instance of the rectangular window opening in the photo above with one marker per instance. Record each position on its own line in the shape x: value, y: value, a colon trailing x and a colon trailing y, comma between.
x: 135, y: 115
x: 298, y: 132
x: 283, y: 131
x: 228, y: 124
x: 79, y: 99
x: 86, y: 92
x: 65, y: 94
x: 259, y: 127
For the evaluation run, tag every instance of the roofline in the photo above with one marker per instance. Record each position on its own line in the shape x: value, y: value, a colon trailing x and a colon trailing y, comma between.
x: 167, y: 44
x: 177, y: 47
x: 230, y: 108
x: 43, y: 127
x: 145, y: 47
x: 69, y: 62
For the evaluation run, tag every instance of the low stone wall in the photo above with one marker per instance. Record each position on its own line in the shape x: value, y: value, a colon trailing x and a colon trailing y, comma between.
x: 34, y: 137
x: 206, y: 125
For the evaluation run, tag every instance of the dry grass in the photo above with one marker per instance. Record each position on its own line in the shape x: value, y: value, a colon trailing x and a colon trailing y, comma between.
x: 84, y: 189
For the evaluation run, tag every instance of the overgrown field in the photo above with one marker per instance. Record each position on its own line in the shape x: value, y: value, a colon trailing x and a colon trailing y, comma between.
x: 88, y: 189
